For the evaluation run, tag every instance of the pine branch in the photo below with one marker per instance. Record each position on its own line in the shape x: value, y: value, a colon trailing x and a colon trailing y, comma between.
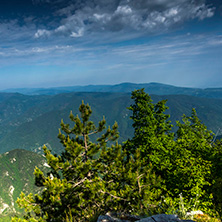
x: 94, y: 132
x: 138, y: 181
x: 85, y: 146
x: 120, y: 198
x: 80, y: 182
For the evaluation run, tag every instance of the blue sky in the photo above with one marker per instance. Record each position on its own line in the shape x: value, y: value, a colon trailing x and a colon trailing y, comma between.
x: 47, y: 43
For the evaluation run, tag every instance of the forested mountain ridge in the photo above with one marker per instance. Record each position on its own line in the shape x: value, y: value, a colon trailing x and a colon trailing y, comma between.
x: 12, y: 109
x: 28, y: 122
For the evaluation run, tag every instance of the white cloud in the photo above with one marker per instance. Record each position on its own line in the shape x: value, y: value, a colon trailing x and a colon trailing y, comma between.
x: 77, y: 34
x: 61, y: 28
x: 216, y: 41
x: 93, y: 16
x: 171, y: 12
x: 123, y: 10
x: 42, y: 33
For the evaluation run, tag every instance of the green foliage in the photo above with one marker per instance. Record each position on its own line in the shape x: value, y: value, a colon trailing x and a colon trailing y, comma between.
x: 185, y: 209
x: 193, y: 167
x: 16, y: 175
x: 152, y: 134
x: 5, y: 218
x: 185, y: 160
x: 90, y: 178
x: 179, y: 206
x: 217, y: 176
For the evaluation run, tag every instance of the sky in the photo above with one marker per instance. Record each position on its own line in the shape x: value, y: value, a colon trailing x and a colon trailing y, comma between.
x: 50, y: 43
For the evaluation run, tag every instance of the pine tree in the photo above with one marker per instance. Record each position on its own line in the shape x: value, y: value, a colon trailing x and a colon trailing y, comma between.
x: 152, y: 132
x: 216, y: 158
x: 90, y: 178
x: 191, y: 174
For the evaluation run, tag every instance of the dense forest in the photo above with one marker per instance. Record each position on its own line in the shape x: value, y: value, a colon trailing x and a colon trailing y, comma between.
x: 157, y: 170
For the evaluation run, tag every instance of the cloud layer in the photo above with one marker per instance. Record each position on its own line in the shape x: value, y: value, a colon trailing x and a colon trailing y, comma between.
x: 109, y: 41
x: 80, y: 17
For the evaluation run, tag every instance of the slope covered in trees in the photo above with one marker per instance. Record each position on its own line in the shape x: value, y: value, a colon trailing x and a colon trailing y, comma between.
x: 16, y: 175
x: 90, y: 178
x: 22, y: 116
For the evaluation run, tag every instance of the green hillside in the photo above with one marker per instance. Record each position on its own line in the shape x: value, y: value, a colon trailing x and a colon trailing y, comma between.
x: 12, y: 109
x: 43, y: 126
x: 16, y: 176
x: 39, y: 120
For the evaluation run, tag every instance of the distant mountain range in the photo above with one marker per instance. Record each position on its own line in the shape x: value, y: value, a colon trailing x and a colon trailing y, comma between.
x: 151, y: 88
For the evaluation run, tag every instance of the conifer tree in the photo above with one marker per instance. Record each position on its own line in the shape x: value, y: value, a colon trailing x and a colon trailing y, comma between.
x: 90, y: 178
x: 152, y: 131
x: 216, y: 158
x: 193, y: 164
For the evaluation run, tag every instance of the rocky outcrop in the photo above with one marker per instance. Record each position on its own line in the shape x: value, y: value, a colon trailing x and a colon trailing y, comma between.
x: 163, y: 218
x: 113, y: 217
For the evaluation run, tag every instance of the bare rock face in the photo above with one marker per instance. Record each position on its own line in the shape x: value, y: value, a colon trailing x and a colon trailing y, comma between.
x: 113, y: 217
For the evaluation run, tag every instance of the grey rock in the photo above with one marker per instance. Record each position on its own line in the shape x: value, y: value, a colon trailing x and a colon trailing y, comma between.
x: 161, y: 218
x: 106, y: 218
x: 114, y: 217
